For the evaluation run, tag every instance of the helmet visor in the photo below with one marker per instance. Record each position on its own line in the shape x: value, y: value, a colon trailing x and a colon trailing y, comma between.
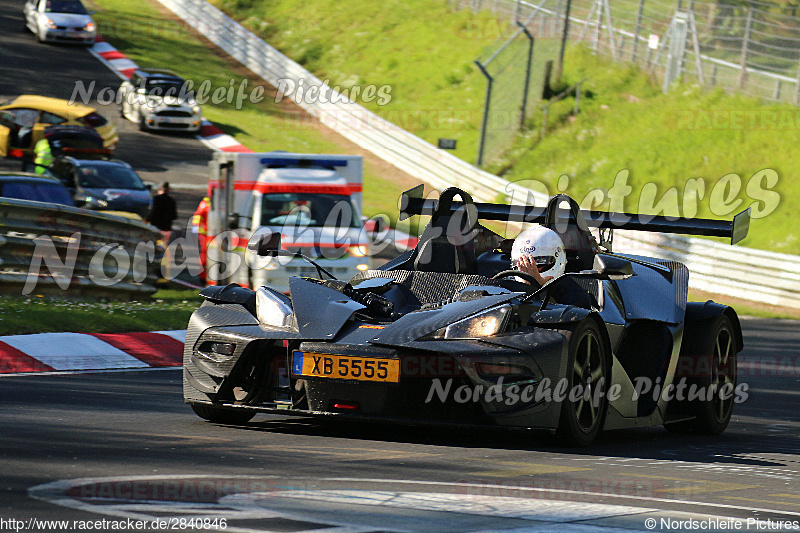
x: 545, y: 262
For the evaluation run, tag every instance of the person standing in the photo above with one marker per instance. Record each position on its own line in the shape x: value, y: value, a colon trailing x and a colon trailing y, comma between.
x: 163, y: 212
x: 200, y: 226
x: 44, y: 156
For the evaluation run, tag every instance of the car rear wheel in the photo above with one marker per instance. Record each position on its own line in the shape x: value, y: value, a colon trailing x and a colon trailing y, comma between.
x: 222, y: 416
x: 711, y: 350
x: 583, y: 410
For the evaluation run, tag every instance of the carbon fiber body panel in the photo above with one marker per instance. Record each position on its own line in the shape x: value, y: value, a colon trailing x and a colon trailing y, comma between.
x: 654, y: 295
x: 415, y: 325
x: 320, y: 311
x: 428, y: 287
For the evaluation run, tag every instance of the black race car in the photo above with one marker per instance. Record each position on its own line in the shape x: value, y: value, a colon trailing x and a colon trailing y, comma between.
x: 448, y: 334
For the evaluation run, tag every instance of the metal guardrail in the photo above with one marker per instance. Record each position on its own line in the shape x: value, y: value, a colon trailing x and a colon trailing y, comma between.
x: 47, y: 248
x: 418, y: 158
x: 747, y: 273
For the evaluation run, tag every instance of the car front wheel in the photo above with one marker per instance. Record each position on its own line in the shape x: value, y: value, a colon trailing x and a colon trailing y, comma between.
x: 583, y: 410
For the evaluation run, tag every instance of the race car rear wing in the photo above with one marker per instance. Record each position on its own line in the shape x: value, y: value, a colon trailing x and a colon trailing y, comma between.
x: 413, y: 203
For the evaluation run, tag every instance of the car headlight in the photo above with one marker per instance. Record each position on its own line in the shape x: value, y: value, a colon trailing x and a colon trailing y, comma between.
x: 50, y: 24
x: 271, y: 310
x: 90, y: 202
x: 195, y: 109
x: 357, y: 251
x: 89, y: 27
x: 484, y: 324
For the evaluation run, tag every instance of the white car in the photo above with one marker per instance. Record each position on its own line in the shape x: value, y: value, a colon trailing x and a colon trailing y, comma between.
x: 159, y: 100
x: 60, y: 20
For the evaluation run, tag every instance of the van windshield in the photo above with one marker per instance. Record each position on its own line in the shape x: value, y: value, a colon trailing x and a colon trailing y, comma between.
x: 308, y: 209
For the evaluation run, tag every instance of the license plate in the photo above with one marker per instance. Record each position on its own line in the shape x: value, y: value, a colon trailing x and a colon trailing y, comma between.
x: 166, y: 120
x: 345, y: 367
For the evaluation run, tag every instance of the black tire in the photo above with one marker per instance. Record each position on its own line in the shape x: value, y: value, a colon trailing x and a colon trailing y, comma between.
x: 143, y: 124
x: 222, y: 416
x: 711, y: 348
x: 581, y: 421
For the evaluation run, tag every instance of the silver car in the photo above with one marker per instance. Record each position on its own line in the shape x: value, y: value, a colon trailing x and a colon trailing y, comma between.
x: 159, y: 100
x: 60, y: 20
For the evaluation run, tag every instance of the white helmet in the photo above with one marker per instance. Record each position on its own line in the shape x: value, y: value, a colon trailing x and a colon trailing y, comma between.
x: 546, y: 248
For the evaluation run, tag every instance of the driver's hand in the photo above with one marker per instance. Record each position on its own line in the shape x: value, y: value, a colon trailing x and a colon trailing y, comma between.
x: 527, y: 264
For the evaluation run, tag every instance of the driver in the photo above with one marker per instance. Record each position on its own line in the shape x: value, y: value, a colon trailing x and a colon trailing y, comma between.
x: 539, y: 251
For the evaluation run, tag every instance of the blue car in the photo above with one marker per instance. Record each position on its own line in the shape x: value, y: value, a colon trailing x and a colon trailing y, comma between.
x: 25, y: 186
x: 104, y: 185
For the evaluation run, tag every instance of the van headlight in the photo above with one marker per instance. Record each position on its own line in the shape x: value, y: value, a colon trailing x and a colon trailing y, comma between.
x: 273, y: 310
x: 358, y: 250
x: 484, y: 324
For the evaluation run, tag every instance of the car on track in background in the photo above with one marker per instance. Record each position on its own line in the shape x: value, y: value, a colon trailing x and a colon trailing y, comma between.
x: 447, y: 334
x: 35, y: 187
x: 103, y: 184
x: 24, y: 119
x: 60, y: 21
x: 159, y: 100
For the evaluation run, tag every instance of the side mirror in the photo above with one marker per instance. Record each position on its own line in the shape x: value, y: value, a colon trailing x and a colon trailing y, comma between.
x: 265, y: 244
x: 612, y: 267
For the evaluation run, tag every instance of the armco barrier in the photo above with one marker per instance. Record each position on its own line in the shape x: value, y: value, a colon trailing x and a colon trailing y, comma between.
x: 720, y: 268
x: 710, y: 270
x: 45, y: 247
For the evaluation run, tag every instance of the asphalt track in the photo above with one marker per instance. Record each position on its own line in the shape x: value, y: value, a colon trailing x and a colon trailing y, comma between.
x: 155, y: 458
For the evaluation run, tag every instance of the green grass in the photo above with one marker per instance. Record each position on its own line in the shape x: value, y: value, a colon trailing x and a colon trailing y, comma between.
x: 664, y: 141
x: 419, y: 48
x: 166, y: 310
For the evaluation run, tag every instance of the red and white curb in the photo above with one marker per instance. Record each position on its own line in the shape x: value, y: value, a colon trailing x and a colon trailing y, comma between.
x: 122, y: 66
x: 69, y: 352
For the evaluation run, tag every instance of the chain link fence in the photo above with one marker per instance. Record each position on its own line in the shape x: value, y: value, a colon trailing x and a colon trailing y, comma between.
x: 750, y: 46
x: 514, y: 68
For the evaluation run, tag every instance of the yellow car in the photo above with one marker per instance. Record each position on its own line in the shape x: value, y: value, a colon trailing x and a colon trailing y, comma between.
x: 23, y: 120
